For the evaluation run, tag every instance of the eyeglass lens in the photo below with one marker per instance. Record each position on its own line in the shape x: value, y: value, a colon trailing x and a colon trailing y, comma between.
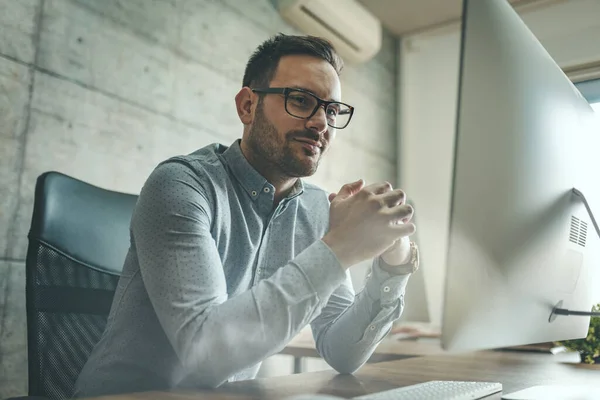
x: 301, y: 105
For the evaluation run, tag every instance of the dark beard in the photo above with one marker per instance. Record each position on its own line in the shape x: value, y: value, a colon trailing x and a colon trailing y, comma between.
x: 272, y: 151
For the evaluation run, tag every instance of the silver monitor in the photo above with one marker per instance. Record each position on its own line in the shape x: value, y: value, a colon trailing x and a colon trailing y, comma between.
x: 520, y: 241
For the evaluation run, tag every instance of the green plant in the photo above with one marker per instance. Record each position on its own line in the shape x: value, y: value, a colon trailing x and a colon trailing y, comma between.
x: 589, y: 347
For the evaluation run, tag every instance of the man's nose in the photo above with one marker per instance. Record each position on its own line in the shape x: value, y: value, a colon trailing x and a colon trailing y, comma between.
x: 318, y: 122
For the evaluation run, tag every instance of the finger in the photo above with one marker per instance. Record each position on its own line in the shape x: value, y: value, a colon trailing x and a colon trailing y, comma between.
x: 400, y: 212
x: 350, y: 189
x: 332, y: 196
x: 409, y: 218
x: 403, y: 230
x: 413, y: 213
x: 394, y: 197
x: 379, y: 188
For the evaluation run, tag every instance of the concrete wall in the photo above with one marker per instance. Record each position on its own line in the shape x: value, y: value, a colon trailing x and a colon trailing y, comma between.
x: 104, y: 90
x: 428, y: 87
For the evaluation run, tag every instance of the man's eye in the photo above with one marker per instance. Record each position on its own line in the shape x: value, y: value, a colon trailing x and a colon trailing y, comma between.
x: 298, y: 99
x: 333, y: 110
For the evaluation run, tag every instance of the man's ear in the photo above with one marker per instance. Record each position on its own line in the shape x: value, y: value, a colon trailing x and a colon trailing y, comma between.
x: 244, y: 102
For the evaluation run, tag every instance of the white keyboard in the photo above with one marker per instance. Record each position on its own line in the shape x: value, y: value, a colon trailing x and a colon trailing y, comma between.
x: 438, y: 390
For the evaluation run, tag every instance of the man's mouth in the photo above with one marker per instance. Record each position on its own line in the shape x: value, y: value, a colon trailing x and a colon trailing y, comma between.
x: 311, y: 145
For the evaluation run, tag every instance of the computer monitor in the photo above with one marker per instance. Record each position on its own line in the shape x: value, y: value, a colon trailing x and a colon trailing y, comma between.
x: 520, y: 241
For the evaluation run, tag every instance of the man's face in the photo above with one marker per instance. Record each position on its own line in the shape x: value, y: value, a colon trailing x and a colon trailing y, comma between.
x: 294, y: 145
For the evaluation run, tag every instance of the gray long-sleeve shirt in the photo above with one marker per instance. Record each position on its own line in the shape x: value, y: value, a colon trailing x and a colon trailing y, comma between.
x: 217, y: 279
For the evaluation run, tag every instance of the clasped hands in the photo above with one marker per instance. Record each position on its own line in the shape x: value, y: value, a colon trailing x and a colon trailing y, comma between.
x: 370, y: 221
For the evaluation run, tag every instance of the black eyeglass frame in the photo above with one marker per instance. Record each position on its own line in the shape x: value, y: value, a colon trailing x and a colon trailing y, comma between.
x: 320, y: 102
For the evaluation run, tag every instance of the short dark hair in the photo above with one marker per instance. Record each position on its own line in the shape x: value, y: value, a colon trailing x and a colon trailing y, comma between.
x: 263, y: 63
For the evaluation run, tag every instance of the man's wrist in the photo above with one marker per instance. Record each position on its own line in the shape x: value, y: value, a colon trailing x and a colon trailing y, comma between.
x: 408, y: 266
x: 391, y: 264
x: 393, y: 269
x: 338, y: 250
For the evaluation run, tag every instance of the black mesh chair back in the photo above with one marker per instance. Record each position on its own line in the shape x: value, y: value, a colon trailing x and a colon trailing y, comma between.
x: 78, y: 241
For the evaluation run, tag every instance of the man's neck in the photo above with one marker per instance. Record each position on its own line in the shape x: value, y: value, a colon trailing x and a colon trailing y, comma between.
x: 283, y: 184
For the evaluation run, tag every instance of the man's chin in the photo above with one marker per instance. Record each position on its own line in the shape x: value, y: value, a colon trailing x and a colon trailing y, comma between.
x: 303, y: 167
x: 305, y: 162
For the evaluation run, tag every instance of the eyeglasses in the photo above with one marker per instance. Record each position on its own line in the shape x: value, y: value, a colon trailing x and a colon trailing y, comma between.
x: 303, y: 104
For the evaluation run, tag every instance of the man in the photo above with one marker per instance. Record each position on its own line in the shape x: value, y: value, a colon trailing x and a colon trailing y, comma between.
x: 232, y: 254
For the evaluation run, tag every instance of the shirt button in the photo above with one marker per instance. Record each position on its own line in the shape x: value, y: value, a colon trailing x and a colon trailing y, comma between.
x: 267, y: 190
x: 254, y: 193
x: 372, y: 327
x: 386, y: 289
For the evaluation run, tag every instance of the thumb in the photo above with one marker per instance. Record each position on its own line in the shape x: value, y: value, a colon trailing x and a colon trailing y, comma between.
x: 350, y: 189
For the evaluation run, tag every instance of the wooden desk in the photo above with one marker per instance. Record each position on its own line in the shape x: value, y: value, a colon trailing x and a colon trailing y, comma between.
x: 389, y: 349
x: 515, y: 371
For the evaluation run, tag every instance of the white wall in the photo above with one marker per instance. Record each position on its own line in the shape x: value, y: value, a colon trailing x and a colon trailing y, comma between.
x: 428, y: 93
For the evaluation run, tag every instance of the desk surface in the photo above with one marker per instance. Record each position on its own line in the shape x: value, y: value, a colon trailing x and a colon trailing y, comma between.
x: 514, y: 370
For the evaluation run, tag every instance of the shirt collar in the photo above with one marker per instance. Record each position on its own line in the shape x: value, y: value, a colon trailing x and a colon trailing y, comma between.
x: 250, y: 179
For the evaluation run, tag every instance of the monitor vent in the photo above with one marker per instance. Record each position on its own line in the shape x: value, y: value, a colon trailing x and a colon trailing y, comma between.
x: 578, y: 233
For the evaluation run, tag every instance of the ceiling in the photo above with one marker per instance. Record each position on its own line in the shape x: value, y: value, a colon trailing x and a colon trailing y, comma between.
x: 406, y: 16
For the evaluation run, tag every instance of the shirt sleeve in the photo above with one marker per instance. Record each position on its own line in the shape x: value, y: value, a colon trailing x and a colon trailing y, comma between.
x: 350, y: 327
x: 183, y: 275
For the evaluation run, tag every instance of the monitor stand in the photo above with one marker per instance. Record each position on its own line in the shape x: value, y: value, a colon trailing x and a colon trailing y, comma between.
x: 558, y: 310
x: 560, y: 392
x: 579, y: 194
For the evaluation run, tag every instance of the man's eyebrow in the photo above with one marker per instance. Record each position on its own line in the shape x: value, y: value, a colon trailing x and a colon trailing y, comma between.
x: 311, y: 92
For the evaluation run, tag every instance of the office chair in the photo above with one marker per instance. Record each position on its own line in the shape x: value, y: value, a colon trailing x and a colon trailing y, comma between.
x: 78, y: 240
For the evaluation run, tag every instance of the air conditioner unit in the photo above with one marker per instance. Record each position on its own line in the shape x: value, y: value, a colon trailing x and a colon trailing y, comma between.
x: 352, y: 29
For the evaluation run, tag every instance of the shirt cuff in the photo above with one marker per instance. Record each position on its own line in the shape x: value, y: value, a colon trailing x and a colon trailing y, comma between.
x: 384, y: 286
x: 321, y: 267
